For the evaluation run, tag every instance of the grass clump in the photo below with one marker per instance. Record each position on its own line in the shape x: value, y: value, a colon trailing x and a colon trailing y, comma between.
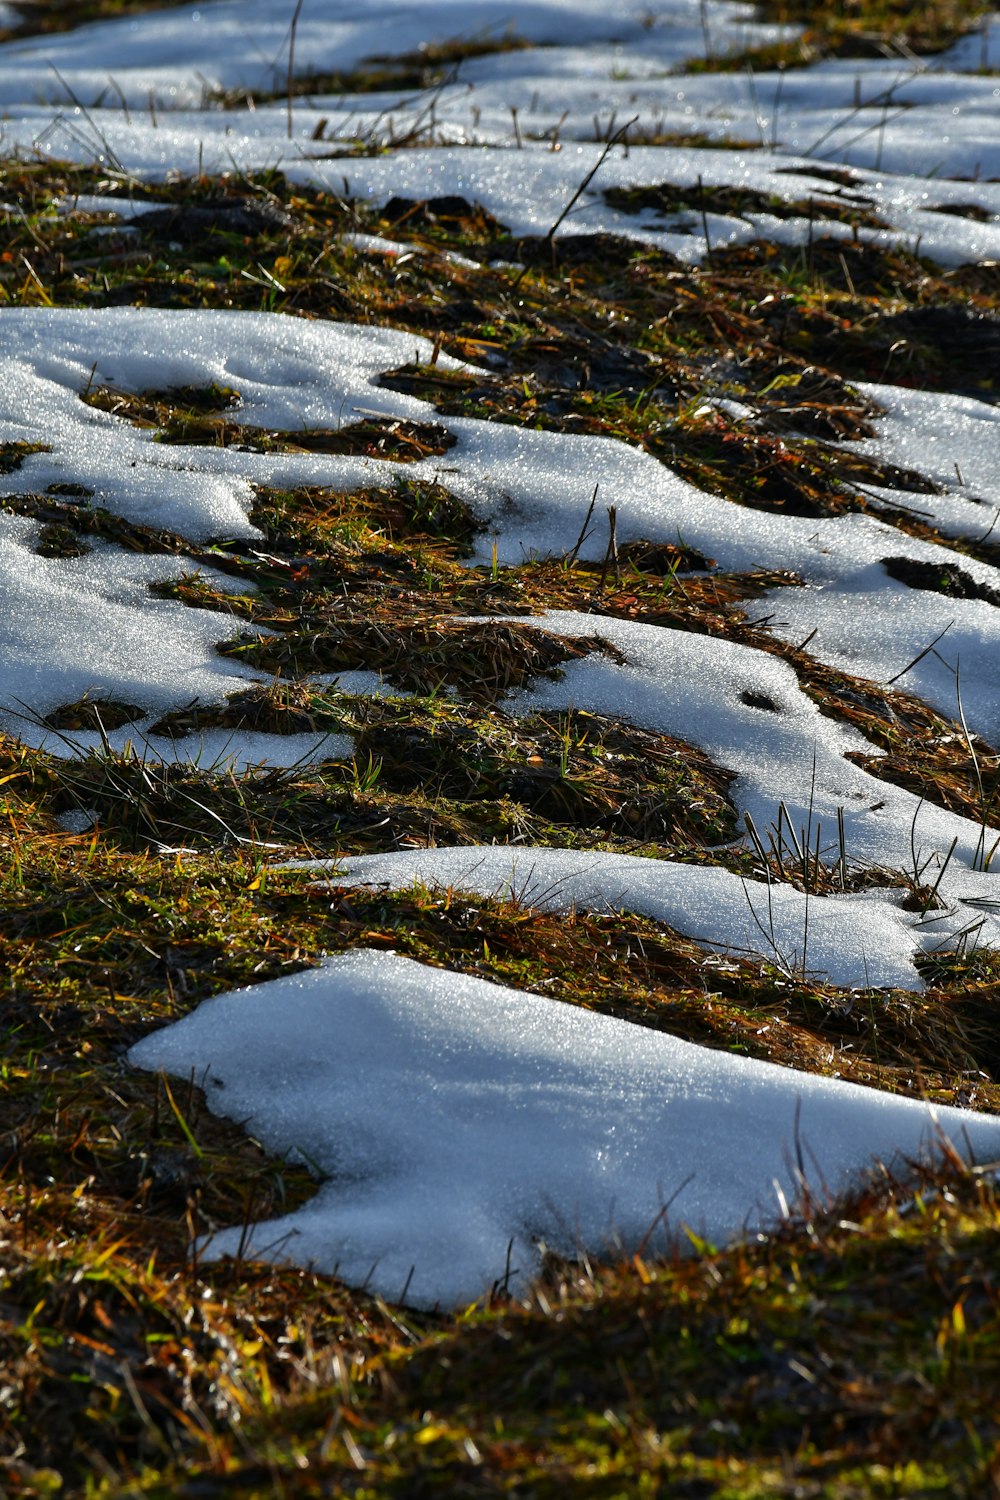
x: 12, y: 455
x: 716, y: 1374
x: 430, y: 66
x: 876, y: 28
x: 574, y: 770
x: 132, y: 1369
x: 410, y: 510
x: 668, y: 201
x: 480, y: 662
x: 190, y: 416
x: 48, y: 17
x: 851, y: 28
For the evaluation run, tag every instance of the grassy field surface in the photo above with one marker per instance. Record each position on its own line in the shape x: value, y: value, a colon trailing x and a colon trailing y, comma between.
x: 854, y: 1353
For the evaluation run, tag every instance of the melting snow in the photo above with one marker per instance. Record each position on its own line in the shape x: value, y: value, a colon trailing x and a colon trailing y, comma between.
x: 90, y: 624
x: 461, y: 1125
x: 855, y: 941
x: 185, y: 53
x: 452, y: 1117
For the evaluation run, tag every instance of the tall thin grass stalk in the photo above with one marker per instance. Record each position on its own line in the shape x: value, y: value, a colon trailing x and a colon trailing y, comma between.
x: 291, y: 59
x: 981, y: 860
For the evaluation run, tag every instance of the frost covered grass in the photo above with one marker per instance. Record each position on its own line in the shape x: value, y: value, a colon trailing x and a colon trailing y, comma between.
x: 666, y: 540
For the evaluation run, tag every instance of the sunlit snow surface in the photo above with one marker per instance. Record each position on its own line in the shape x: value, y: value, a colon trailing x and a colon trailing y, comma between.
x: 862, y: 940
x: 529, y: 489
x: 460, y: 1125
x: 906, y: 124
x: 454, y: 1118
x: 90, y: 625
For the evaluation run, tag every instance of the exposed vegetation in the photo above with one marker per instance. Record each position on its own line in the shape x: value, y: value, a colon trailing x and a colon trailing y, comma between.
x: 44, y: 17
x: 875, y: 28
x: 125, y: 1358
x: 855, y: 1353
x: 853, y: 28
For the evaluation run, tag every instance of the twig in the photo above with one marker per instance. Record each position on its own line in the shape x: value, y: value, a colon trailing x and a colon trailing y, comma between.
x: 769, y: 936
x: 981, y: 860
x: 859, y: 105
x: 584, y: 185
x: 662, y: 1214
x: 925, y: 652
x: 612, y: 141
x: 807, y: 840
x: 755, y: 836
x: 611, y: 555
x: 989, y: 528
x: 111, y: 155
x: 755, y: 105
x: 291, y: 59
x: 571, y: 556
x: 779, y: 89
x: 704, y: 215
x: 934, y: 888
x: 705, y: 32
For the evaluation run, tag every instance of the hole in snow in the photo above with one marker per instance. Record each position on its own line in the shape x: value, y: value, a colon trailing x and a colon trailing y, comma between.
x: 760, y: 700
x: 939, y: 578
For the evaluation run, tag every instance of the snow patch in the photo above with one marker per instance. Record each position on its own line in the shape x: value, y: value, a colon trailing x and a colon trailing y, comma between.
x: 460, y: 1126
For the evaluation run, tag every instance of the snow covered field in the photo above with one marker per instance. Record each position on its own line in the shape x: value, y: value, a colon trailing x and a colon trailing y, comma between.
x: 455, y: 1119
